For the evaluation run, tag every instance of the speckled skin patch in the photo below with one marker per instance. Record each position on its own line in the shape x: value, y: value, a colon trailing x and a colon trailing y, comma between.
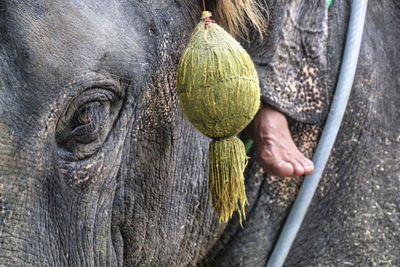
x: 293, y: 78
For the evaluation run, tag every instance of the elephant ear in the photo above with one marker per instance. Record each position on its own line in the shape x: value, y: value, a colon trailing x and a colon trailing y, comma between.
x: 293, y: 70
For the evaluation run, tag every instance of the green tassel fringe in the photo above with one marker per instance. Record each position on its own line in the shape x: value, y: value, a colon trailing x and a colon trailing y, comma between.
x: 227, y: 161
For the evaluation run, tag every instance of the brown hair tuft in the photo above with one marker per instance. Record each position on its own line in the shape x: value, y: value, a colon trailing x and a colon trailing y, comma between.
x: 239, y: 15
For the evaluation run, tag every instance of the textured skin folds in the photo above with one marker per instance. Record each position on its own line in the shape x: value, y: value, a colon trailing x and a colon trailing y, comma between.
x: 129, y: 187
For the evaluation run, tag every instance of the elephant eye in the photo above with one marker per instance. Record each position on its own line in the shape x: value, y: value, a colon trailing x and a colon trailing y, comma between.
x: 87, y: 121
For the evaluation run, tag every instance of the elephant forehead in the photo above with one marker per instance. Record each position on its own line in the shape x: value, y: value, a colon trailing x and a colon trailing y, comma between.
x: 63, y: 39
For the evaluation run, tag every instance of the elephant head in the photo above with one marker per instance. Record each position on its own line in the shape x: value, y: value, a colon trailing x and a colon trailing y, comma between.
x: 98, y: 165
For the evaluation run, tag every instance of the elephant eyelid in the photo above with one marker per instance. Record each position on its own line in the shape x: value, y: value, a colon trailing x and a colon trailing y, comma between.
x: 91, y: 95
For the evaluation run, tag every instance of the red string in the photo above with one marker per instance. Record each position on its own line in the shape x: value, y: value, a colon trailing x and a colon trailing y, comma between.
x: 207, y: 20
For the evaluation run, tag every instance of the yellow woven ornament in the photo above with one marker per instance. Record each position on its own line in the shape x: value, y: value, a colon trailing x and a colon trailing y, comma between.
x: 219, y: 93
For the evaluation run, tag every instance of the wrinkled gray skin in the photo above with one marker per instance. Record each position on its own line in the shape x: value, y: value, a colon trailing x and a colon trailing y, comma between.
x: 130, y: 187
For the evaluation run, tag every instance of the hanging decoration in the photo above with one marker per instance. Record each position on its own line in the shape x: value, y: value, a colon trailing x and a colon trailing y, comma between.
x: 219, y: 93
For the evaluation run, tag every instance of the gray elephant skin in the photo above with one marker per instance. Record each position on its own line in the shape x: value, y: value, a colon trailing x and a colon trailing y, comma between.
x: 99, y: 167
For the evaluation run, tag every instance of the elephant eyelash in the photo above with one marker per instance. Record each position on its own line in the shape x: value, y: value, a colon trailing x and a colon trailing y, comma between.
x: 90, y: 114
x: 89, y: 120
x: 86, y: 115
